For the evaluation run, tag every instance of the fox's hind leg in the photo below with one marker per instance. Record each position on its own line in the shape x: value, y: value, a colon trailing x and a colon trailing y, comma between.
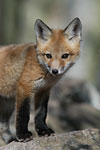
x: 6, y: 109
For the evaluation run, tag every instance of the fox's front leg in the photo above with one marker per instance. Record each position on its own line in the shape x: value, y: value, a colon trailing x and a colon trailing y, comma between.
x: 41, y: 104
x: 22, y: 118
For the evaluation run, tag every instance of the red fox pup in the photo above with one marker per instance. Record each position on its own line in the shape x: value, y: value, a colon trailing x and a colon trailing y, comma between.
x: 29, y: 70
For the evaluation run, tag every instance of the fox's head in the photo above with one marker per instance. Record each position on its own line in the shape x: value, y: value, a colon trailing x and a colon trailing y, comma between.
x: 58, y: 49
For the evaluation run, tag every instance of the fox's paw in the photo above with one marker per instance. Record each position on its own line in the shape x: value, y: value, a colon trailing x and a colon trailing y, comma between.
x: 24, y: 137
x: 45, y: 132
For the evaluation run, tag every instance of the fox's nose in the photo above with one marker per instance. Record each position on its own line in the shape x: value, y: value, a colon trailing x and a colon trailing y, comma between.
x: 55, y: 71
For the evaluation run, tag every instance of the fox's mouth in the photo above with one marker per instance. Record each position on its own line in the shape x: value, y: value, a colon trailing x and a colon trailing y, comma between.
x: 54, y: 72
x: 55, y: 75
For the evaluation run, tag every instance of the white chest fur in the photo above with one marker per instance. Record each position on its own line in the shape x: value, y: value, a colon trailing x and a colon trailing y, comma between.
x: 47, y: 82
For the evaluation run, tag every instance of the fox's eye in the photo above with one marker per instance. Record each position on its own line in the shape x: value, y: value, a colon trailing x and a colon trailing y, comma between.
x: 65, y: 56
x: 49, y: 56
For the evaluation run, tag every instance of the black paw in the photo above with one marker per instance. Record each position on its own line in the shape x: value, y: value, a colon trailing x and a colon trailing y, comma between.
x: 24, y: 137
x: 45, y: 132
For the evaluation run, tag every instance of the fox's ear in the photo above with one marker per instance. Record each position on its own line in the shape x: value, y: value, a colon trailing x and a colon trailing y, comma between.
x: 74, y: 30
x: 42, y: 31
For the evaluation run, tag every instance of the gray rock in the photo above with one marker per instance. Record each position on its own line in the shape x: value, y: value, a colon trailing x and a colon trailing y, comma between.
x: 88, y: 139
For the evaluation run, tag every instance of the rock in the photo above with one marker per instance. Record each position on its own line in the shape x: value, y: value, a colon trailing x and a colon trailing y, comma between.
x: 88, y: 139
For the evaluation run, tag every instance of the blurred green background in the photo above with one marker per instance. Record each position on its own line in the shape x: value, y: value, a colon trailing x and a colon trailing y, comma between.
x: 17, y: 18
